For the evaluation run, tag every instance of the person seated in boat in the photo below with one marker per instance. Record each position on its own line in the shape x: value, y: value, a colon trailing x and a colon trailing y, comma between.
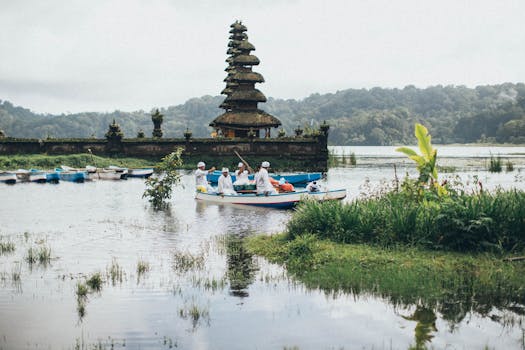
x: 241, y: 175
x: 313, y: 187
x: 201, y: 183
x: 225, y: 185
x: 262, y: 180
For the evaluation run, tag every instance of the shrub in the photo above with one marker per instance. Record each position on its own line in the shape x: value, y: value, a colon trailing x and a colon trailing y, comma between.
x: 460, y: 222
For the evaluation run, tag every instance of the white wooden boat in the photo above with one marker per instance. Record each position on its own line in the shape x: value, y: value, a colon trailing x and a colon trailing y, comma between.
x: 280, y: 200
x: 31, y: 175
x: 113, y: 173
x: 7, y: 177
x: 141, y: 172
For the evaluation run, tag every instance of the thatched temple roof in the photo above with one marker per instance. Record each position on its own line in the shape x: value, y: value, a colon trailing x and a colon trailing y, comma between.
x: 246, y: 120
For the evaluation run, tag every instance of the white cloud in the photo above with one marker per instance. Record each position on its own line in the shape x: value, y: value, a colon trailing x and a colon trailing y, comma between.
x: 102, y: 55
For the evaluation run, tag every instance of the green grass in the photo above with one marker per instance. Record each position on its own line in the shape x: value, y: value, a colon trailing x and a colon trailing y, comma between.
x: 451, y: 283
x: 460, y: 222
x: 41, y: 161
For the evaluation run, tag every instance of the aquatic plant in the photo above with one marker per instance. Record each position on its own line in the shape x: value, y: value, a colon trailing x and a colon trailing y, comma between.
x: 6, y: 247
x: 195, y: 313
x: 495, y: 164
x: 509, y: 166
x: 185, y: 261
x: 159, y: 187
x: 31, y: 256
x: 82, y: 290
x: 115, y: 272
x: 44, y: 255
x: 95, y: 282
x: 142, y: 267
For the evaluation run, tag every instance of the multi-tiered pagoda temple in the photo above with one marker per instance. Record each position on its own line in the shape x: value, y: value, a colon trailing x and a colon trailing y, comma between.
x: 242, y: 116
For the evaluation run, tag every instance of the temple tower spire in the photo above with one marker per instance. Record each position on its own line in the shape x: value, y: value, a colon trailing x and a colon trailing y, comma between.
x: 240, y: 105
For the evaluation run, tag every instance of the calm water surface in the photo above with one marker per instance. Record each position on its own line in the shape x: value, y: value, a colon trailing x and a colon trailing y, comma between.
x: 202, y: 291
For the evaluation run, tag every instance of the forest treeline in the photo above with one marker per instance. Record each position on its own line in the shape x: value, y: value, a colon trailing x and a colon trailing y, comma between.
x: 377, y: 116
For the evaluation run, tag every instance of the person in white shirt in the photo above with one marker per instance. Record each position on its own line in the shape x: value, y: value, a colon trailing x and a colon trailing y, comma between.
x: 200, y: 177
x: 313, y: 187
x: 241, y: 175
x: 225, y: 185
x: 262, y: 180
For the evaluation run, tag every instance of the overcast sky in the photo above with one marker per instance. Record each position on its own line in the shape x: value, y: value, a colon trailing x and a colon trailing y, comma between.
x: 60, y: 56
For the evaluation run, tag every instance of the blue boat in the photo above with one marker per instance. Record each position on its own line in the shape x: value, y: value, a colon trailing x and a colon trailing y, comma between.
x: 72, y: 175
x: 52, y: 177
x: 294, y: 179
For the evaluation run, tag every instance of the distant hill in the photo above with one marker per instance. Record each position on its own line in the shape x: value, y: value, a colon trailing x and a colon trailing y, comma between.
x: 491, y: 113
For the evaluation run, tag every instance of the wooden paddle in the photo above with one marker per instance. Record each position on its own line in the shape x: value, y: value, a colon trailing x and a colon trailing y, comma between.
x: 245, y: 162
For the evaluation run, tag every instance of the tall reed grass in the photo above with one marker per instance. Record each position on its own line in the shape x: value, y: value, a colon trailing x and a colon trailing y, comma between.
x: 461, y: 222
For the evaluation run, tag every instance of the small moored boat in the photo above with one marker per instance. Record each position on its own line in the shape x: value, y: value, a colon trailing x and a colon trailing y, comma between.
x: 7, y: 177
x: 111, y: 173
x: 70, y: 174
x: 141, y: 172
x: 32, y: 175
x: 294, y: 179
x: 280, y: 200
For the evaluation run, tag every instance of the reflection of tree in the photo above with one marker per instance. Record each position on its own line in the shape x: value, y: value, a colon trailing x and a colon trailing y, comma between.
x: 426, y: 324
x: 241, y: 266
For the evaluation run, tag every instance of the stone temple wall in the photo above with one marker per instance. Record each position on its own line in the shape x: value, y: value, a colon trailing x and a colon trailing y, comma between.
x: 302, y: 153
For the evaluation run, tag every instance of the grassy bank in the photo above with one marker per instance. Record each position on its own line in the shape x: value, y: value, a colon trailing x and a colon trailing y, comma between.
x: 190, y: 162
x: 41, y: 161
x: 421, y: 284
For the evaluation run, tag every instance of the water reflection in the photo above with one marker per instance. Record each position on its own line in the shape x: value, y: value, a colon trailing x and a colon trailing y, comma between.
x: 241, y: 265
x: 425, y: 327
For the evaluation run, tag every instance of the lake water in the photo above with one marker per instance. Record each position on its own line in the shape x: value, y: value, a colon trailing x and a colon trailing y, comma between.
x: 202, y: 290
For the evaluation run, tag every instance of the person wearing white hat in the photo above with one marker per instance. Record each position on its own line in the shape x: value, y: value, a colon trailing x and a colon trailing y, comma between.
x: 241, y: 175
x: 201, y: 183
x: 262, y: 180
x: 225, y: 185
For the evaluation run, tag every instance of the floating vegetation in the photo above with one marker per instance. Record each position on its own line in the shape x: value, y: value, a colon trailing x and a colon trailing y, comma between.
x: 6, y: 247
x: 40, y: 255
x: 185, y: 261
x: 95, y: 282
x: 115, y: 272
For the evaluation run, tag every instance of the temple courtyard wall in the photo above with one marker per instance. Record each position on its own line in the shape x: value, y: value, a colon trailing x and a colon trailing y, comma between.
x: 309, y: 153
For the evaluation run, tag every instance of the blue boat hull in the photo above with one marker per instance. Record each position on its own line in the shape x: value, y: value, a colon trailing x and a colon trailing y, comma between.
x: 294, y: 179
x: 73, y: 177
x: 53, y: 177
